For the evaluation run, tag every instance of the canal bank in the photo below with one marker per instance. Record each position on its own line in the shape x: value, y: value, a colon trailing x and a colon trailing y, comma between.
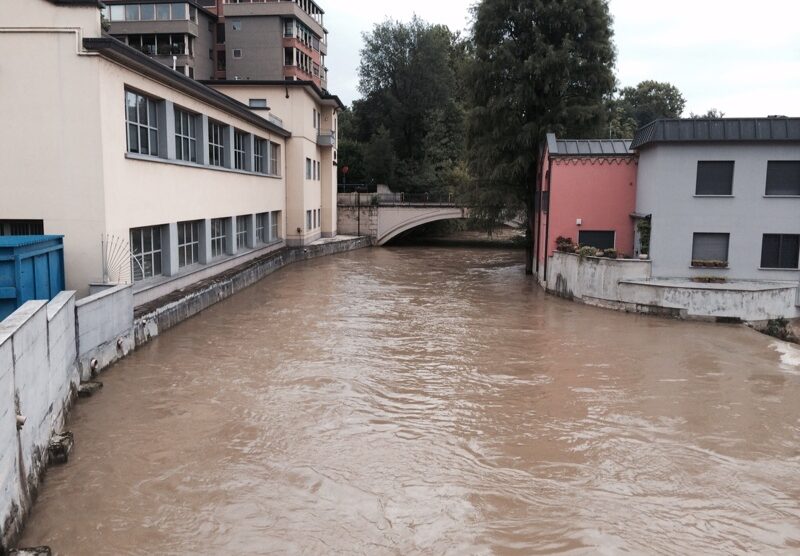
x: 431, y: 401
x: 50, y: 350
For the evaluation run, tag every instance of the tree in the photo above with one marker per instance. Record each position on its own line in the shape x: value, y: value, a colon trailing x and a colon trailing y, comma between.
x: 540, y: 66
x: 712, y: 114
x: 648, y: 101
x: 411, y: 104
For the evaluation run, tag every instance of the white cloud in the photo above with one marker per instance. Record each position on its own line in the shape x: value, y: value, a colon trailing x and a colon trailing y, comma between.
x: 737, y: 56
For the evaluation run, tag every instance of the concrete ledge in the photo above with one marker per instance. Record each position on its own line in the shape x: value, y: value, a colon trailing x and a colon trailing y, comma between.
x: 160, y: 315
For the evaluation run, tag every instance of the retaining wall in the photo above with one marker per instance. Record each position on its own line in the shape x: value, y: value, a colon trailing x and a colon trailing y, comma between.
x: 104, y: 328
x: 627, y: 285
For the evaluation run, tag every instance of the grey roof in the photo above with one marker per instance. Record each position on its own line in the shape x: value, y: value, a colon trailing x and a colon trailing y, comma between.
x: 588, y: 147
x: 718, y: 129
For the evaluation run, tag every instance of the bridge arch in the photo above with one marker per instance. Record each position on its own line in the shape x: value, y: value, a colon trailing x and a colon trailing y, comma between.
x: 395, y: 221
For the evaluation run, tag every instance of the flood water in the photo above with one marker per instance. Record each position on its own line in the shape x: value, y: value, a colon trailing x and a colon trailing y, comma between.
x: 432, y: 401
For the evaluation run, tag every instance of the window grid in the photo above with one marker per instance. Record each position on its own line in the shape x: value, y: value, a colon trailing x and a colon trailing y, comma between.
x: 216, y: 144
x: 241, y: 232
x: 258, y: 155
x: 262, y: 227
x: 188, y: 243
x: 185, y: 136
x: 240, y: 150
x: 308, y: 219
x: 145, y: 252
x: 142, y: 122
x: 217, y: 237
x: 274, y: 159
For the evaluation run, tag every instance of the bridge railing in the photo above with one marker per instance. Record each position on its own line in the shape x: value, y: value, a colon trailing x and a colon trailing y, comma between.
x: 396, y: 199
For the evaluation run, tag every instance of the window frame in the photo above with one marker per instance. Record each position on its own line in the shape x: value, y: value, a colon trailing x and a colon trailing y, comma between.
x: 216, y: 150
x: 613, y: 238
x: 188, y: 244
x: 240, y: 150
x: 219, y: 237
x: 697, y: 263
x: 155, y: 255
x: 708, y: 165
x: 186, y: 138
x: 792, y: 252
x: 776, y: 163
x: 274, y: 230
x: 149, y: 127
x: 242, y: 226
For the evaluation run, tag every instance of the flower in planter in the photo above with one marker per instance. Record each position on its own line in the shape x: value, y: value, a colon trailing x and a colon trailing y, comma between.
x: 707, y: 263
x: 565, y: 245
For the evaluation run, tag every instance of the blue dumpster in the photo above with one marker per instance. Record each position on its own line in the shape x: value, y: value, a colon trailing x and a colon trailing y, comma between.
x: 31, y: 267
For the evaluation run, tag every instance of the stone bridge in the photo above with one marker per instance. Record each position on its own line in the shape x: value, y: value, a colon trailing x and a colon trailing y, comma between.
x: 385, y: 216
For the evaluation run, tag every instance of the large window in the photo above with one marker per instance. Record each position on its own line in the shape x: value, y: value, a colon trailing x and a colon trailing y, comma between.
x: 308, y: 220
x: 145, y: 252
x: 710, y: 249
x: 185, y: 136
x: 262, y: 227
x: 714, y: 178
x: 780, y: 250
x: 216, y: 144
x: 21, y: 227
x: 188, y: 243
x: 598, y: 239
x: 241, y: 232
x: 783, y: 177
x: 218, y: 237
x: 240, y: 150
x: 148, y: 12
x: 308, y: 169
x: 142, y: 121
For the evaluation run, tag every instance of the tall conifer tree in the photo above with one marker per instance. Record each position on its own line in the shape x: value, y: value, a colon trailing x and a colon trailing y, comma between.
x: 540, y: 66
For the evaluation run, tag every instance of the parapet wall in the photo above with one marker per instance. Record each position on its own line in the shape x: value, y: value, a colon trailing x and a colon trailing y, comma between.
x: 627, y: 285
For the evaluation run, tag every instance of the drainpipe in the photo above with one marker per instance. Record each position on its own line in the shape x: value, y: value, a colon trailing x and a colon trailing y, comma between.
x: 549, y: 209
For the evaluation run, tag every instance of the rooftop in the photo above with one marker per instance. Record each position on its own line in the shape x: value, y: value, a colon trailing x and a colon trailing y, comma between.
x: 588, y: 147
x: 777, y: 128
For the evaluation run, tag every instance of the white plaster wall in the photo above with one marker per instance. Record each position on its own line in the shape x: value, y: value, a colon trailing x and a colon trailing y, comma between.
x: 62, y: 352
x: 103, y: 319
x: 592, y: 277
x: 9, y: 464
x: 666, y: 183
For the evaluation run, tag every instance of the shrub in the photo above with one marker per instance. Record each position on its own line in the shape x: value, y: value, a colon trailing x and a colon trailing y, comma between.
x: 778, y: 328
x: 565, y: 244
x: 643, y: 226
x: 587, y: 251
x: 709, y: 263
x: 609, y: 253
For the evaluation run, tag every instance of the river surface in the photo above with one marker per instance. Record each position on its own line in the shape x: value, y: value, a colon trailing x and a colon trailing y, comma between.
x: 432, y: 401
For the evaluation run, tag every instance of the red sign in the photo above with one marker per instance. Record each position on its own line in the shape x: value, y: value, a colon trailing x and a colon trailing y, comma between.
x: 345, y: 169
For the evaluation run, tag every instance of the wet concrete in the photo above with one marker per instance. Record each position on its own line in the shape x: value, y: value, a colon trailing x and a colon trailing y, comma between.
x: 419, y: 400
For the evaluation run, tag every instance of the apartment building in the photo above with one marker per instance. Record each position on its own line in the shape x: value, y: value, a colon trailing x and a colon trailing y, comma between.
x: 227, y: 39
x: 723, y: 196
x: 151, y: 176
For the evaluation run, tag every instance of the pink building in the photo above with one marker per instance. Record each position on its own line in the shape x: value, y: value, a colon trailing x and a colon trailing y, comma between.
x: 587, y: 189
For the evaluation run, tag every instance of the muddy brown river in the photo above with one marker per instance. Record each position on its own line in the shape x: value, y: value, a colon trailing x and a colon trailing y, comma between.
x: 432, y: 401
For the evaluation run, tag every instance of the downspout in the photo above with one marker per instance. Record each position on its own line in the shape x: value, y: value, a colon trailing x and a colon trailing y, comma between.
x: 549, y: 208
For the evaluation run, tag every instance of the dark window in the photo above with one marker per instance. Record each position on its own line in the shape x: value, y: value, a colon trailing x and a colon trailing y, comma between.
x: 783, y: 177
x: 21, y: 227
x: 599, y: 239
x: 221, y: 60
x: 714, y: 178
x: 710, y: 247
x: 220, y: 33
x: 780, y: 250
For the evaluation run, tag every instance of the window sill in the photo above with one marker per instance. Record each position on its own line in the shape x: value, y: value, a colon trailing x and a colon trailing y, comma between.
x: 714, y: 196
x: 700, y: 267
x: 781, y: 196
x: 159, y: 160
x: 783, y: 269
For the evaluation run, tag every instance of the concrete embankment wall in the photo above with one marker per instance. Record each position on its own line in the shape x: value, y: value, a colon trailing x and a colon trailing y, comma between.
x: 48, y: 348
x: 355, y: 220
x: 627, y: 285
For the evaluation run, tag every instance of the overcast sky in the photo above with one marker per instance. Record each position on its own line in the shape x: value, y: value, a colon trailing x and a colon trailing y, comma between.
x: 741, y: 57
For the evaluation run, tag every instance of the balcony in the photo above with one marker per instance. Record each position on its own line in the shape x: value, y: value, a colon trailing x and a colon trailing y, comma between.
x: 326, y: 139
x: 284, y: 9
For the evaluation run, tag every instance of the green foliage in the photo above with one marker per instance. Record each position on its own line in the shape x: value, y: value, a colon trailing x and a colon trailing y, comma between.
x: 634, y: 107
x: 779, y: 328
x: 539, y: 66
x: 712, y: 114
x: 408, y: 129
x: 709, y: 263
x: 609, y: 253
x: 643, y: 226
x: 587, y: 251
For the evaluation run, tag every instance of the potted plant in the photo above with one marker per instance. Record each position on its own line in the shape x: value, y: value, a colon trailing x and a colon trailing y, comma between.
x: 643, y: 227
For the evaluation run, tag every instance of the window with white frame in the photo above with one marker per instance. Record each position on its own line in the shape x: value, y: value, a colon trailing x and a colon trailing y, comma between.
x: 241, y: 232
x: 259, y: 146
x: 237, y: 53
x: 308, y: 169
x: 273, y: 225
x: 218, y: 237
x: 142, y: 121
x: 239, y: 150
x: 185, y: 136
x: 145, y: 252
x: 710, y: 249
x: 308, y: 220
x: 274, y: 159
x: 257, y: 103
x: 188, y: 243
x: 216, y: 143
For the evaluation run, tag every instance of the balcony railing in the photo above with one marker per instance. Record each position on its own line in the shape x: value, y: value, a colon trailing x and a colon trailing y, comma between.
x: 326, y: 139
